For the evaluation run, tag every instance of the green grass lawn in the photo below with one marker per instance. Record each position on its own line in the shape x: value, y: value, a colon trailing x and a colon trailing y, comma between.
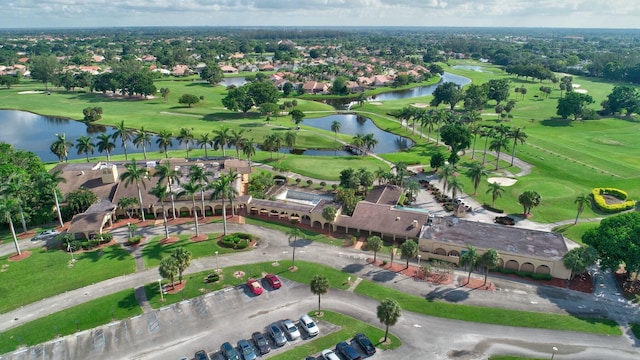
x: 153, y: 251
x: 348, y: 328
x: 49, y: 272
x: 120, y: 305
x: 489, y: 315
x: 575, y: 232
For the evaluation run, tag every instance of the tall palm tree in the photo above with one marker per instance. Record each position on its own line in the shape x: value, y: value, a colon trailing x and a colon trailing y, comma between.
x: 105, y: 144
x: 221, y: 138
x: 581, y: 201
x: 15, y: 189
x: 160, y: 191
x: 51, y: 181
x: 84, y: 145
x: 249, y: 149
x: 319, y: 286
x: 205, y: 141
x: 223, y: 189
x: 401, y: 171
x: 440, y: 117
x: 455, y: 186
x: 137, y: 175
x: 7, y: 206
x: 446, y: 173
x: 358, y: 142
x: 273, y: 142
x: 426, y: 119
x: 185, y: 137
x: 487, y: 133
x: 290, y: 138
x: 475, y: 172
x: 370, y: 141
x: 142, y: 139
x: 496, y: 191
x: 294, y: 233
x: 192, y: 188
x: 125, y: 135
x: 388, y: 313
x: 335, y: 127
x: 201, y: 176
x: 60, y: 147
x: 238, y: 140
x: 475, y: 130
x: 518, y: 135
x: 498, y: 144
x: 166, y: 172
x: 470, y: 258
x: 164, y: 141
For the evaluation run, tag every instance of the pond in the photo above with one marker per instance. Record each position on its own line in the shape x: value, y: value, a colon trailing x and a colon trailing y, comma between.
x: 237, y: 81
x: 36, y: 133
x: 469, y: 67
x: 353, y: 124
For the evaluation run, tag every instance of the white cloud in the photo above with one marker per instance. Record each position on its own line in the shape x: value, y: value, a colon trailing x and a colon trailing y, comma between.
x: 560, y: 13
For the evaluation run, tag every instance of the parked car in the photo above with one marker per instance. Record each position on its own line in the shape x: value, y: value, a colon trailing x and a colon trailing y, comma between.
x: 246, y: 350
x: 365, y: 344
x: 309, y: 326
x: 201, y: 355
x: 254, y: 286
x: 46, y: 234
x: 290, y: 329
x: 277, y: 335
x: 274, y: 281
x: 329, y: 355
x: 347, y: 351
x: 261, y: 342
x: 229, y: 351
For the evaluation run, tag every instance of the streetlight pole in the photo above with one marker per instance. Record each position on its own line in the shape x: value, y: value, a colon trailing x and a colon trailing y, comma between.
x: 554, y: 352
x: 217, y: 265
x: 419, y: 257
x: 160, y: 287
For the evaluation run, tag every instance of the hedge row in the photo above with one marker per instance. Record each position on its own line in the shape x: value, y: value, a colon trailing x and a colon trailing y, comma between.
x: 236, y: 240
x: 532, y: 275
x: 601, y: 203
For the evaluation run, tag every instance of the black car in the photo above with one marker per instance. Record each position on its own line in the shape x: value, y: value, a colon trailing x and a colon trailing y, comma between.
x: 365, y: 344
x: 347, y: 351
x: 201, y: 355
x: 261, y: 342
x: 229, y: 352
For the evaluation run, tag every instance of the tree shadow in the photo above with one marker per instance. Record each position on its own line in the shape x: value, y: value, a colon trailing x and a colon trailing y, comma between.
x: 384, y: 276
x: 555, y: 122
x: 449, y: 295
x: 300, y: 243
x: 353, y: 268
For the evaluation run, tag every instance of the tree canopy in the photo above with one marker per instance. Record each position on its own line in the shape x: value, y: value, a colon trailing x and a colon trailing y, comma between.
x: 617, y: 241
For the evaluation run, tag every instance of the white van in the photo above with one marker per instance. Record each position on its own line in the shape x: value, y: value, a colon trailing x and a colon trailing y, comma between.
x: 307, y: 323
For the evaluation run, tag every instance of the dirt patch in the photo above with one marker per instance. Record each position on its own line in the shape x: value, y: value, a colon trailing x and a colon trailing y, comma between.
x: 476, y: 284
x: 630, y: 288
x: 201, y: 237
x: 16, y: 257
x: 170, y: 240
x: 238, y: 274
x: 175, y: 288
x: 414, y: 272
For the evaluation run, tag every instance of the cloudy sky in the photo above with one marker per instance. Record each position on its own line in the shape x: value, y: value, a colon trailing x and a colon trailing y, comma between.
x: 509, y: 13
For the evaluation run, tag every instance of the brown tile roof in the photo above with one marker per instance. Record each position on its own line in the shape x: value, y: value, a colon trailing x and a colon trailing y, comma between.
x: 84, y: 175
x: 384, y: 219
x: 92, y: 220
x: 384, y: 194
x: 502, y: 238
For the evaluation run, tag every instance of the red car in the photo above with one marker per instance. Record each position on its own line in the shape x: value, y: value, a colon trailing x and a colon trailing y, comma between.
x: 273, y: 280
x: 254, y: 286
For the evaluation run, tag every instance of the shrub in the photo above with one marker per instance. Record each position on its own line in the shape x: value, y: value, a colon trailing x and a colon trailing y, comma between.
x: 211, y: 278
x: 298, y: 180
x: 504, y: 220
x: 531, y: 275
x: 134, y: 240
x: 236, y: 240
x: 106, y: 237
x: 309, y: 182
x: 491, y: 208
x: 601, y: 203
x: 323, y: 184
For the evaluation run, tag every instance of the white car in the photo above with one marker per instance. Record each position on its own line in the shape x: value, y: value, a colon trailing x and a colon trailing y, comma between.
x: 290, y: 329
x: 329, y: 355
x: 310, y: 326
x: 46, y: 234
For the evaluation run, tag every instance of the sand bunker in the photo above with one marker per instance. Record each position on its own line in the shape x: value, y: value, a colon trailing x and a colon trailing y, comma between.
x: 580, y: 91
x: 503, y: 181
x: 31, y: 92
x: 374, y: 103
x: 420, y: 105
x: 575, y: 86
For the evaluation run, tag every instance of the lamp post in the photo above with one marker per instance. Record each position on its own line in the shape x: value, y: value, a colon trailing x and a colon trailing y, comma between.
x: 160, y: 287
x: 554, y: 352
x: 217, y: 265
x: 419, y: 257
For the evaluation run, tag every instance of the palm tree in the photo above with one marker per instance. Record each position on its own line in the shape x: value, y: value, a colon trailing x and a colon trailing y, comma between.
x: 168, y: 268
x: 358, y: 142
x: 319, y: 286
x: 475, y: 172
x: 142, y: 139
x: 164, y: 92
x: 409, y: 250
x: 290, y: 138
x: 15, y: 188
x: 125, y: 135
x: 249, y: 149
x: 166, y: 172
x: 439, y: 118
x: 51, y: 181
x: 496, y: 191
x: 221, y: 138
x: 238, y: 140
x: 335, y: 127
x: 413, y: 188
x: 374, y: 243
x: 388, y: 313
x: 7, y: 206
x: 581, y: 201
x: 529, y: 199
x: 487, y: 133
x: 60, y: 147
x: 201, y: 176
x: 489, y: 260
x: 105, y: 144
x: 137, y: 175
x: 205, y: 141
x: 164, y: 141
x: 84, y: 145
x: 401, y: 172
x: 185, y: 137
x: 455, y: 186
x: 183, y: 260
x: 295, y: 233
x: 426, y: 119
x: 273, y: 142
x: 380, y: 174
x: 517, y: 135
x: 223, y: 188
x: 498, y: 144
x: 370, y: 141
x: 446, y: 173
x: 192, y: 188
x: 160, y: 191
x: 470, y: 258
